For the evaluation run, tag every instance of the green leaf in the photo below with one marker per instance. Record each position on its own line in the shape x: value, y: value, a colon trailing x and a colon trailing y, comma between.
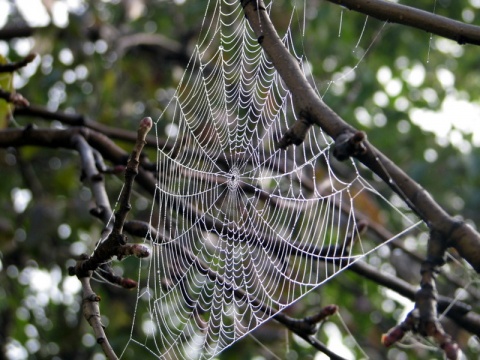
x: 6, y: 84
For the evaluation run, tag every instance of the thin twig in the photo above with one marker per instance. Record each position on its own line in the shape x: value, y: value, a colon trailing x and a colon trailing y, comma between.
x: 130, y: 174
x: 74, y: 119
x: 11, y: 67
x: 14, y: 32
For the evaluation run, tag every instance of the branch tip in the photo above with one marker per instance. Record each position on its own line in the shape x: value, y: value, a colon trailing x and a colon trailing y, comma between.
x: 30, y: 57
x: 127, y: 283
x: 146, y: 123
x: 324, y: 313
x: 11, y: 67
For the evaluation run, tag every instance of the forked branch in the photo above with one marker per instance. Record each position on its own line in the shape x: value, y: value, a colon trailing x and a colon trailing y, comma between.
x: 111, y: 152
x: 424, y: 318
x: 115, y: 243
x: 306, y: 101
x: 350, y: 142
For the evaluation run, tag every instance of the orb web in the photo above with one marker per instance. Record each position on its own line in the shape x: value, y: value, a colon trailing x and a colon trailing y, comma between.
x: 242, y: 228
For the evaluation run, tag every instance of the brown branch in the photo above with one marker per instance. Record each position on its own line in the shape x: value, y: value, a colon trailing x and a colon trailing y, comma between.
x: 14, y: 98
x: 425, y: 319
x: 55, y: 138
x: 398, y: 332
x: 62, y: 138
x: 308, y: 104
x: 317, y: 344
x: 309, y: 325
x: 13, y: 32
x: 130, y: 174
x: 11, y: 67
x: 155, y: 40
x: 115, y: 243
x: 296, y: 134
x: 416, y: 18
x: 81, y: 120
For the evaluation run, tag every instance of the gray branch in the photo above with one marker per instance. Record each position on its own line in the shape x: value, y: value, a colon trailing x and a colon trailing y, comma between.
x: 416, y: 18
x: 309, y: 105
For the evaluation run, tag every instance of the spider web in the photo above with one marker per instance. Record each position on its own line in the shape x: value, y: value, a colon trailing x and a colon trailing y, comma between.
x: 242, y: 229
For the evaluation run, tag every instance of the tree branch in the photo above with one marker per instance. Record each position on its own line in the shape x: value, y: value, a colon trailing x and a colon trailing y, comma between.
x: 406, y: 15
x: 14, y: 98
x: 115, y: 244
x: 309, y: 106
x: 91, y: 311
x: 14, y: 32
x: 306, y: 328
x: 76, y: 138
x: 459, y: 312
x: 11, y: 67
x: 81, y: 120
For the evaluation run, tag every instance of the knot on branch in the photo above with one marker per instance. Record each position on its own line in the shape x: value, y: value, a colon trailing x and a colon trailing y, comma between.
x: 137, y: 250
x: 83, y: 269
x: 349, y: 144
x: 79, y: 270
x: 297, y: 133
x: 92, y: 298
x: 309, y: 325
x: 99, y: 261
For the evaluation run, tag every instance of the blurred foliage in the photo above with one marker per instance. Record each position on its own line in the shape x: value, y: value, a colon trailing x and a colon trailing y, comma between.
x: 6, y: 82
x: 92, y: 65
